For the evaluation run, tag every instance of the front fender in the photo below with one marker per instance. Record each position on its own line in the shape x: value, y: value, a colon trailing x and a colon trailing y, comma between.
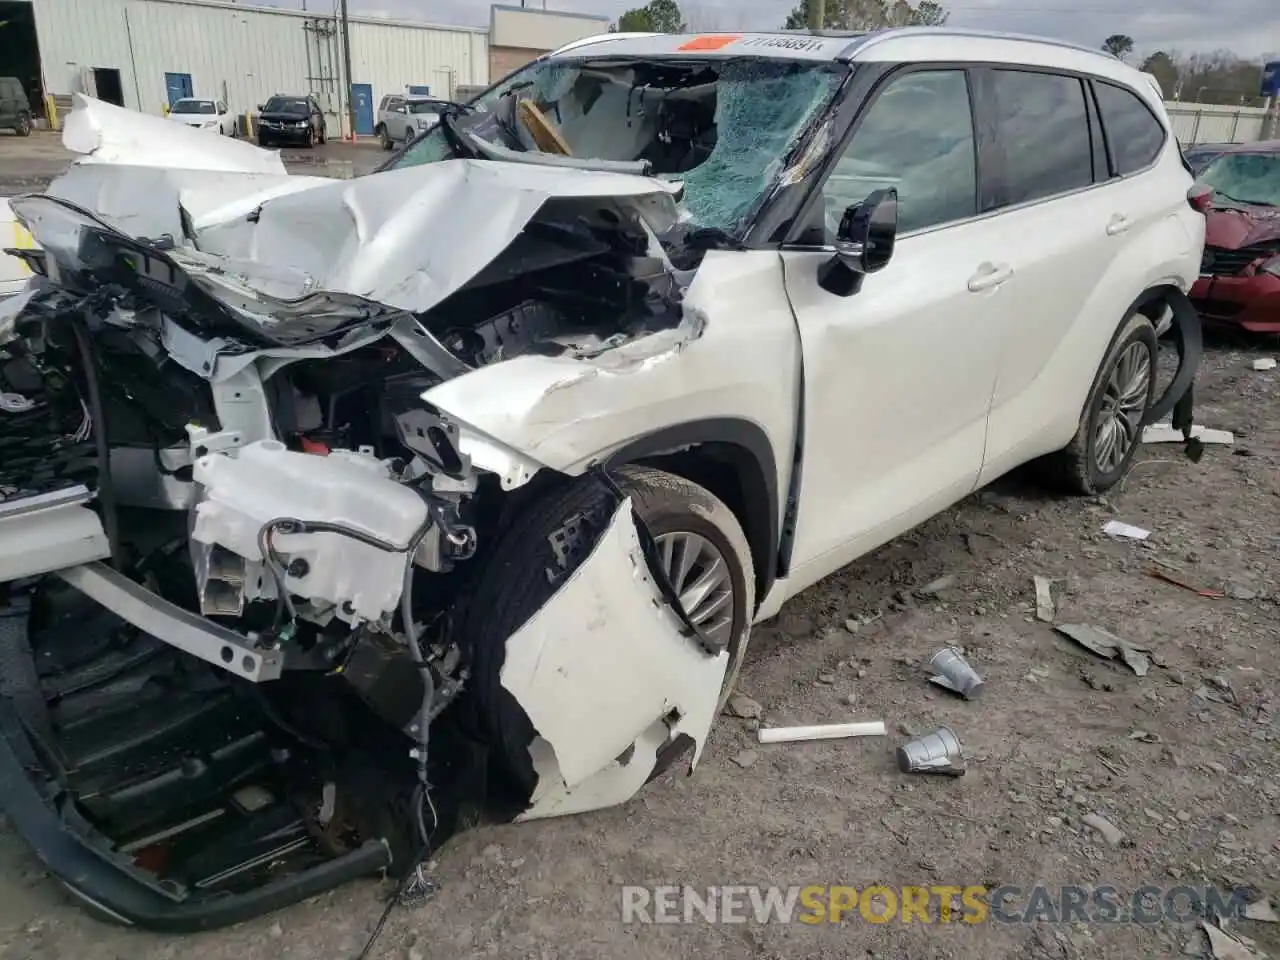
x: 735, y: 357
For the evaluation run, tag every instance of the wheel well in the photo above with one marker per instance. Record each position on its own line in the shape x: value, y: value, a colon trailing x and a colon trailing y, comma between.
x: 1154, y: 301
x: 733, y: 474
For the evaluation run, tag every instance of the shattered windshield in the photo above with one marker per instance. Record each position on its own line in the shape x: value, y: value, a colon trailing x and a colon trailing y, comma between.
x: 724, y: 128
x: 1246, y: 178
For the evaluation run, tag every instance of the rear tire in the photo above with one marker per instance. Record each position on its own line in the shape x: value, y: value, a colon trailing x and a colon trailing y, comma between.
x: 515, y: 583
x: 1099, y: 456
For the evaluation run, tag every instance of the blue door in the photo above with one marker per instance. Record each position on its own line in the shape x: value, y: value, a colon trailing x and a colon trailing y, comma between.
x: 177, y: 86
x: 362, y: 100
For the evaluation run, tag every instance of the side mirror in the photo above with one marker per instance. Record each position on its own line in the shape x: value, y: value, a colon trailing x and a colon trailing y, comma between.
x: 864, y: 243
x: 261, y: 106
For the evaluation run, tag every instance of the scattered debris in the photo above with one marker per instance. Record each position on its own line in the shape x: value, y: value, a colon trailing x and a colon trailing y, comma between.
x: 1177, y: 581
x: 1114, y: 528
x: 1165, y: 433
x: 937, y: 586
x: 826, y: 678
x: 740, y: 705
x: 1237, y: 592
x: 746, y: 758
x: 829, y: 731
x: 852, y: 625
x: 1261, y: 910
x: 1110, y: 832
x: 1044, y: 599
x: 906, y: 729
x: 1095, y: 683
x: 1143, y: 737
x: 938, y: 752
x: 1107, y: 645
x: 1226, y: 947
x: 1264, y: 363
x: 955, y: 674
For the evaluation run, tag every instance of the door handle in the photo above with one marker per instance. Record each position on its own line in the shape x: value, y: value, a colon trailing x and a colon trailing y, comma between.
x: 1119, y: 224
x: 989, y: 275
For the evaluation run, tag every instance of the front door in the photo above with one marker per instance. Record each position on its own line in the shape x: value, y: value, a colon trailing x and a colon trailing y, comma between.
x: 177, y: 86
x: 899, y: 376
x: 362, y: 101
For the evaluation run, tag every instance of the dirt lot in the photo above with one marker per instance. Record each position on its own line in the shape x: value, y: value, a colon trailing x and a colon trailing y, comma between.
x: 1051, y: 741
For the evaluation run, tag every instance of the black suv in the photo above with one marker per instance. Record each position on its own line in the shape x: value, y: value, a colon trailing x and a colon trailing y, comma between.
x: 290, y: 119
x: 15, y: 108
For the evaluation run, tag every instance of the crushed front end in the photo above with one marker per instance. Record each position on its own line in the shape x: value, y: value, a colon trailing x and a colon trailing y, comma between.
x: 236, y: 541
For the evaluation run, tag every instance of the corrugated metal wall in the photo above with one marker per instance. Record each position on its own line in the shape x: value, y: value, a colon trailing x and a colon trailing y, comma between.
x: 245, y: 53
x: 1212, y: 123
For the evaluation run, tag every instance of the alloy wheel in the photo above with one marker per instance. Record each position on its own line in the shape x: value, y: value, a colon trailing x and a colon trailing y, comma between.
x: 1124, y: 403
x: 701, y: 578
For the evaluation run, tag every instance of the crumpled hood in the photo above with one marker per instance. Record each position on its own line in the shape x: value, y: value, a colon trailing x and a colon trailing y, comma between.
x: 104, y: 133
x: 1234, y: 229
x: 404, y: 238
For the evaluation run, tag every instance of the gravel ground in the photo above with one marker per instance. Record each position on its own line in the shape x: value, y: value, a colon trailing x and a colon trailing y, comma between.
x: 1183, y: 761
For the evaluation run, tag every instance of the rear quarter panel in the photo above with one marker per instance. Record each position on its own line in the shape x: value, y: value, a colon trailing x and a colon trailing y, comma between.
x: 1039, y: 412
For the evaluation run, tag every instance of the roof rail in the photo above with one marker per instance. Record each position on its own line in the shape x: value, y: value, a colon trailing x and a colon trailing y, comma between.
x: 881, y: 35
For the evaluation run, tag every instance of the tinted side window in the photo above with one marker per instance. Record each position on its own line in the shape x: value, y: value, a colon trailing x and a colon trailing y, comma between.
x: 917, y: 136
x: 1134, y: 133
x: 1044, y: 130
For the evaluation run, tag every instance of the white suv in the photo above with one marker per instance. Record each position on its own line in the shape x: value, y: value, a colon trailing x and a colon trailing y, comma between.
x: 505, y: 447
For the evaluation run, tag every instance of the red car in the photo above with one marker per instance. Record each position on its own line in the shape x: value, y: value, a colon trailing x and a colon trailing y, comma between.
x: 1239, y: 281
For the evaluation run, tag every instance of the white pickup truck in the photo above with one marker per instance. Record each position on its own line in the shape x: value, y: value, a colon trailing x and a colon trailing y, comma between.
x: 13, y: 272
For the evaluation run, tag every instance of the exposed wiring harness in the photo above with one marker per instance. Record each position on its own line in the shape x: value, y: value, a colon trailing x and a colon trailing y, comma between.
x: 415, y: 887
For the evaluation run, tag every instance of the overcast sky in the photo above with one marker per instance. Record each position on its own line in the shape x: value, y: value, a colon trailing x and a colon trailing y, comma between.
x: 1248, y: 27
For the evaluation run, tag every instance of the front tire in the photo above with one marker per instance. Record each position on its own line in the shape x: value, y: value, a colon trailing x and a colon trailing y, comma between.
x: 384, y: 137
x: 309, y: 138
x: 1110, y: 430
x: 23, y: 129
x: 263, y: 142
x: 516, y: 582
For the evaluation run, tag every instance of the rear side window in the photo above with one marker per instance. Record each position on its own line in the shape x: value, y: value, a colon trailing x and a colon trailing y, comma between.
x: 1043, y: 127
x: 1135, y: 135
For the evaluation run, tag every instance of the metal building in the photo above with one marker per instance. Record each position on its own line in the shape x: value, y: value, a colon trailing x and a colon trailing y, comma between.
x: 144, y: 54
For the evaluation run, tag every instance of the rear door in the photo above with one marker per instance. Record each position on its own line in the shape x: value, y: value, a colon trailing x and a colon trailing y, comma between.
x: 898, y: 377
x: 1061, y: 229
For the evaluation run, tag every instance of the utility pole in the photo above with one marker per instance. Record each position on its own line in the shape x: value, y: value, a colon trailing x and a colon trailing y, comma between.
x: 817, y: 10
x: 346, y: 62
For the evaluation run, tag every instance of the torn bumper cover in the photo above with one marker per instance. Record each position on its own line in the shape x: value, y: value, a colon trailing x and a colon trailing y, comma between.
x: 611, y: 680
x: 608, y: 679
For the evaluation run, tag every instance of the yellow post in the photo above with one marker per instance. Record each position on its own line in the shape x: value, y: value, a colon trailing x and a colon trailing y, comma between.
x: 51, y: 111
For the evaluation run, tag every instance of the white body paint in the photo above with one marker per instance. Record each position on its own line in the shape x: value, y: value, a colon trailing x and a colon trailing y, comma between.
x: 606, y: 678
x: 901, y: 399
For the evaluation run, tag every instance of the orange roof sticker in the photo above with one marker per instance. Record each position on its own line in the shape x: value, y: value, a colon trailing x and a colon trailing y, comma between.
x: 710, y: 42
